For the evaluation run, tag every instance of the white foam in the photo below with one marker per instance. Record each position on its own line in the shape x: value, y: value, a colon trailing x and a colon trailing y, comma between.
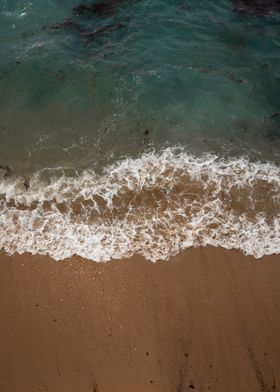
x: 154, y: 206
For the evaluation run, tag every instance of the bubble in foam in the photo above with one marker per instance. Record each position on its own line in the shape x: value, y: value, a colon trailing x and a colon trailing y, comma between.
x: 155, y: 206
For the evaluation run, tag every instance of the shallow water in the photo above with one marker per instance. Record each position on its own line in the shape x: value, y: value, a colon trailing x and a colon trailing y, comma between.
x: 129, y: 84
x: 177, y: 72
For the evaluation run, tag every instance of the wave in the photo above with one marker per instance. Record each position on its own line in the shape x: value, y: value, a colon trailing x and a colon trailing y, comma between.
x: 155, y: 206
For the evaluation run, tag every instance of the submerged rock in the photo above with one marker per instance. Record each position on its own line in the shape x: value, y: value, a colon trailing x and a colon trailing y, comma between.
x: 86, y: 34
x: 257, y: 7
x: 102, y: 8
x: 67, y: 23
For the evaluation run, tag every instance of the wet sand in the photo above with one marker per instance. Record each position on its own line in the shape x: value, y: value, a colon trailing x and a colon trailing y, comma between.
x: 207, y: 320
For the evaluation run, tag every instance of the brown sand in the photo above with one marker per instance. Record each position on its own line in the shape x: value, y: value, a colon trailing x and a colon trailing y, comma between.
x: 208, y: 319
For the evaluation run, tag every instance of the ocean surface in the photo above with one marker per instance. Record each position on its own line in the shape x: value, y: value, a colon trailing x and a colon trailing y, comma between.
x: 138, y: 127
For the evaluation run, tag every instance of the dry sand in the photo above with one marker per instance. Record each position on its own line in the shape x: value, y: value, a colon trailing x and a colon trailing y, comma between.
x: 207, y: 320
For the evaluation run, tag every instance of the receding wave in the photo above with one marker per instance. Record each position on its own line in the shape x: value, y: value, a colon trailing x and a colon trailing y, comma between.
x: 154, y: 206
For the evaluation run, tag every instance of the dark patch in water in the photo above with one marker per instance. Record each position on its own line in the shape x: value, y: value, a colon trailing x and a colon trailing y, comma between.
x: 234, y: 78
x: 26, y: 34
x: 102, y: 8
x: 257, y: 7
x: 67, y: 23
x: 239, y: 43
x: 90, y: 36
x: 263, y: 65
x: 86, y: 34
x: 184, y: 5
x: 6, y: 169
x: 241, y: 125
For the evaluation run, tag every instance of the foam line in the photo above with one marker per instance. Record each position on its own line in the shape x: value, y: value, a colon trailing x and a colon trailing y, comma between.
x: 154, y: 206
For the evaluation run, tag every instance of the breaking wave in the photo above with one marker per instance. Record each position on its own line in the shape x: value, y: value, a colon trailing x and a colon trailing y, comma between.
x: 155, y: 206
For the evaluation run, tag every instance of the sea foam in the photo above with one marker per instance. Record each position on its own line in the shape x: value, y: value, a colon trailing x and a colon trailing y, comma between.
x: 155, y: 206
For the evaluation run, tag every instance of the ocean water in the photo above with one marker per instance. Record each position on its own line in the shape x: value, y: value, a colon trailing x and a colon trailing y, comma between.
x: 143, y: 126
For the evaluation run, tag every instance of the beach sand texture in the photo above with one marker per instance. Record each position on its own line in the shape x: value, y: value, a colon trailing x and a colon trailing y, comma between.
x: 207, y: 320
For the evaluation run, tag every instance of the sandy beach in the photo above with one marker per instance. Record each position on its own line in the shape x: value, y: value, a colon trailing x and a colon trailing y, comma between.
x: 207, y: 320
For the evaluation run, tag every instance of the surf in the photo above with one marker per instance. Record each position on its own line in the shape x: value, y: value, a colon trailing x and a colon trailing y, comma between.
x: 154, y: 205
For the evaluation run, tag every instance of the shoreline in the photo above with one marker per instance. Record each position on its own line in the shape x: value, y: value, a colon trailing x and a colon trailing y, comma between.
x: 207, y: 319
x: 154, y: 205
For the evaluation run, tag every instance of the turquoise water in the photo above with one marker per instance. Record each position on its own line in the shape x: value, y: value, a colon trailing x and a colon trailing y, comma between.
x: 175, y: 72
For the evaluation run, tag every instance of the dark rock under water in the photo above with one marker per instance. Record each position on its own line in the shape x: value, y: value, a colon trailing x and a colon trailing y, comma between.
x: 102, y: 9
x: 257, y: 7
